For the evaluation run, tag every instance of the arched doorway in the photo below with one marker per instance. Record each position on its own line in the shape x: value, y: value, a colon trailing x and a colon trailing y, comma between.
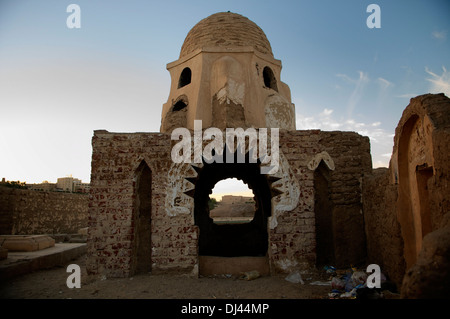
x: 142, y: 220
x: 323, y: 210
x: 239, y: 246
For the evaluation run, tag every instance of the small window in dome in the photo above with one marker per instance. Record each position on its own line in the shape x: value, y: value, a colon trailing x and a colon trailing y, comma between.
x: 269, y: 79
x: 185, y: 77
x: 179, y: 106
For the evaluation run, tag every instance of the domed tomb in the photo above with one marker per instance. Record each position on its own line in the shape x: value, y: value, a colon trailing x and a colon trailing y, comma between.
x: 227, y: 77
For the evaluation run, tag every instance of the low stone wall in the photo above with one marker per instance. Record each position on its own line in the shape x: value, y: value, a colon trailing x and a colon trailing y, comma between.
x: 28, y: 212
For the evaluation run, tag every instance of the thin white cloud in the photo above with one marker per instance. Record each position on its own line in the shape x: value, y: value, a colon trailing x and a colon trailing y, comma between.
x: 358, y: 89
x: 439, y: 83
x: 384, y: 83
x: 439, y: 35
x: 345, y: 77
x: 357, y: 92
x: 326, y: 112
x: 381, y: 140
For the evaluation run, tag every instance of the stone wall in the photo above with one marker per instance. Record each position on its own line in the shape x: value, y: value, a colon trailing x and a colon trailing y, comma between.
x: 112, y: 240
x: 349, y: 156
x: 28, y: 212
x: 406, y: 207
x: 114, y: 237
x: 384, y: 240
x: 421, y: 169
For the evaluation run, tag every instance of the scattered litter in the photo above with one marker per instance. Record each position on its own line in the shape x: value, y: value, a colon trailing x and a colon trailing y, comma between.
x: 250, y: 275
x: 329, y: 269
x: 359, y: 277
x: 349, y: 294
x: 352, y: 283
x: 337, y: 283
x: 295, y: 278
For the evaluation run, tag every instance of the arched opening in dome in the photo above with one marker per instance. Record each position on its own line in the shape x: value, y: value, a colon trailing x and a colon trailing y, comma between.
x: 185, y: 77
x: 269, y: 79
x: 179, y: 106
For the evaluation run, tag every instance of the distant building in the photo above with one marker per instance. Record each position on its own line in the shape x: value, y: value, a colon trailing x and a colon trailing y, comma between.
x: 71, y: 184
x: 44, y: 186
x: 82, y: 188
x: 230, y: 199
x: 65, y: 184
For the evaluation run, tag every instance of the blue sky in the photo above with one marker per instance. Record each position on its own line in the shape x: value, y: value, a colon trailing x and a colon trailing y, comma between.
x: 58, y: 85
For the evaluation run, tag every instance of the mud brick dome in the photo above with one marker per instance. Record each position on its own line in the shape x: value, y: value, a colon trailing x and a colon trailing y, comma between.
x: 227, y: 77
x: 226, y: 29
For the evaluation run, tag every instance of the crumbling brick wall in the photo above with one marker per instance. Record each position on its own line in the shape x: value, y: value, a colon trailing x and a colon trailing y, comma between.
x: 27, y: 212
x: 409, y: 202
x: 384, y: 240
x: 113, y: 235
x: 350, y: 153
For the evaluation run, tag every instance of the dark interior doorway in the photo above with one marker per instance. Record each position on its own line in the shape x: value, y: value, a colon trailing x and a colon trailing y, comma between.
x: 323, y: 210
x: 232, y: 240
x: 143, y: 244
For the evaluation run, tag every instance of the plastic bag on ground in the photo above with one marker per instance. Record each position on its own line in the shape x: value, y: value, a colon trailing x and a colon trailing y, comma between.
x: 359, y: 277
x: 295, y: 278
x: 337, y: 283
x: 349, y: 294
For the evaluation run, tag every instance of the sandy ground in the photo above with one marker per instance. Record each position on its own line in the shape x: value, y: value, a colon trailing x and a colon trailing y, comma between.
x: 51, y: 284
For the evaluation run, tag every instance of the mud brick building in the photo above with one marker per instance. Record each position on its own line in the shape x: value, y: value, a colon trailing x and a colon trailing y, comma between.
x: 324, y: 204
x: 407, y: 207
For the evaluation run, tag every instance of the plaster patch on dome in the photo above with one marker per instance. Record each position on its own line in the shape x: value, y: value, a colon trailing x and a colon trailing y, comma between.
x: 232, y: 92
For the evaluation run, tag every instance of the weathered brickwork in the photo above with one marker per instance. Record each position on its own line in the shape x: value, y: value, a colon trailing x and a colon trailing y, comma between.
x: 28, y: 212
x: 406, y: 207
x: 174, y: 235
x: 384, y: 240
x: 219, y: 30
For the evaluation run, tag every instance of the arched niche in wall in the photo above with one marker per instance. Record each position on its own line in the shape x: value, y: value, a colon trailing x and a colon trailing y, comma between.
x: 415, y: 168
x: 142, y: 252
